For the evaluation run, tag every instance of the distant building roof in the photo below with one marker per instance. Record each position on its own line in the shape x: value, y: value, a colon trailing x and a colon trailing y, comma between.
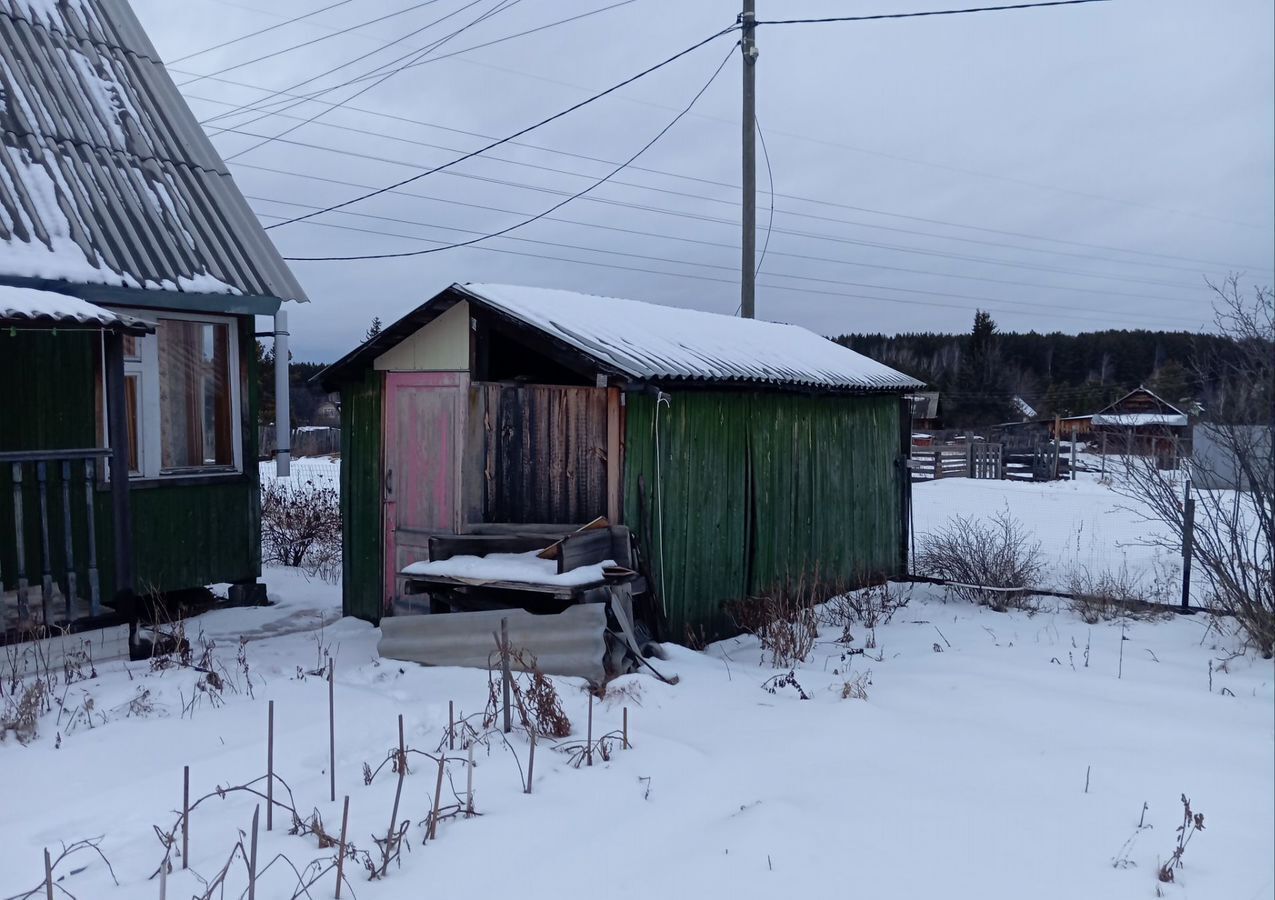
x: 1025, y: 409
x: 1134, y: 420
x: 105, y: 175
x: 649, y: 342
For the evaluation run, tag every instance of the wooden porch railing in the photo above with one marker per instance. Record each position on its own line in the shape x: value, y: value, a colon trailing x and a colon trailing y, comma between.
x: 35, y: 467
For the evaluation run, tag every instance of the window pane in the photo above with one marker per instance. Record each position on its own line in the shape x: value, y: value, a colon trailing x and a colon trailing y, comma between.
x: 194, y: 394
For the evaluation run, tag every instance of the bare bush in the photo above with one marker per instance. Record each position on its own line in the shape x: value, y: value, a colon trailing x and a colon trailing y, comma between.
x: 1233, y: 534
x: 1117, y: 594
x: 870, y: 607
x: 1191, y: 823
x: 301, y: 526
x: 990, y: 561
x: 533, y: 695
x: 786, y: 620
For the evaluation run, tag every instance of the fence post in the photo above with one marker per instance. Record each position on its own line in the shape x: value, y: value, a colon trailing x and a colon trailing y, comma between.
x: 938, y: 464
x: 1188, y: 540
x: 969, y: 460
x: 1073, y: 452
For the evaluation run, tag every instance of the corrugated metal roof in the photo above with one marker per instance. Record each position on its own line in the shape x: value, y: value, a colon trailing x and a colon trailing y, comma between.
x: 649, y: 342
x: 23, y: 306
x: 105, y: 175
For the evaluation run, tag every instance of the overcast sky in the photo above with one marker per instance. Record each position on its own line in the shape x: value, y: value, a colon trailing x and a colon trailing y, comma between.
x: 1067, y: 168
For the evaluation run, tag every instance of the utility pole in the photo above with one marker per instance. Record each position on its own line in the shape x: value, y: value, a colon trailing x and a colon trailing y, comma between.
x: 748, y: 245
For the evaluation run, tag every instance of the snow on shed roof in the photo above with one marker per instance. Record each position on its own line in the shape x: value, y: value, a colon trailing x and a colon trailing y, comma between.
x: 647, y: 341
x: 1134, y: 420
x: 22, y: 306
x: 105, y: 175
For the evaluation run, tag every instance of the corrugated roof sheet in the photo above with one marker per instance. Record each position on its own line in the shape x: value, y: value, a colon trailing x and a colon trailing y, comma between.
x: 22, y: 305
x: 105, y: 175
x: 649, y: 342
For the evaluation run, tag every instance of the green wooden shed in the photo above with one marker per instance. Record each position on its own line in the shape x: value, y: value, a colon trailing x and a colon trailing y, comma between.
x: 131, y: 273
x: 741, y: 453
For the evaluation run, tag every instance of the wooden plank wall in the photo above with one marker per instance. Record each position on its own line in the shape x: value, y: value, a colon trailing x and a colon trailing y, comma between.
x: 544, y: 451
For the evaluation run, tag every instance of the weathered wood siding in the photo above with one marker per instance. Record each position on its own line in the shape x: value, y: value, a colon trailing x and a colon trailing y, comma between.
x: 361, y: 496
x: 185, y: 533
x: 749, y: 491
x: 544, y: 452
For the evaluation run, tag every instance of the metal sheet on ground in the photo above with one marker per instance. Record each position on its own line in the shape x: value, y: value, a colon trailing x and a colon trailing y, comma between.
x: 569, y: 643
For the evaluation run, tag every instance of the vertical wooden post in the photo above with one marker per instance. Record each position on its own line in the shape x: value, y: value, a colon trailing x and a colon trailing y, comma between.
x: 626, y: 728
x: 451, y: 724
x: 95, y: 591
x: 469, y: 782
x: 438, y: 796
x: 48, y: 875
x: 185, y: 816
x: 270, y: 766
x: 332, y: 728
x: 252, y: 856
x: 1104, y: 454
x: 1073, y: 452
x: 117, y: 431
x: 19, y: 543
x: 1057, y: 446
x: 163, y: 881
x: 72, y: 580
x: 340, y: 860
x: 531, y: 760
x: 614, y: 453
x: 402, y: 744
x: 588, y: 747
x: 46, y: 567
x: 504, y: 668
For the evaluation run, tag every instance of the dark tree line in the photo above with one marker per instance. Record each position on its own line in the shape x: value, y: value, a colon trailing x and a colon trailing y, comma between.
x: 980, y: 372
x: 304, y: 395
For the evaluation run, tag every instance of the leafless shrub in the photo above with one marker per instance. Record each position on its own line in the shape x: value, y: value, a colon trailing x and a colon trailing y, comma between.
x: 990, y: 561
x: 533, y: 696
x: 89, y: 846
x: 857, y: 688
x: 1233, y: 538
x: 872, y: 606
x: 1112, y: 595
x: 786, y: 620
x: 775, y: 683
x: 22, y: 718
x: 301, y: 526
x: 1191, y: 823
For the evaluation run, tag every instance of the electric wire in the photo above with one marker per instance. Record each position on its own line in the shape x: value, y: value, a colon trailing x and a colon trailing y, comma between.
x: 527, y: 221
x: 517, y: 134
x: 260, y: 31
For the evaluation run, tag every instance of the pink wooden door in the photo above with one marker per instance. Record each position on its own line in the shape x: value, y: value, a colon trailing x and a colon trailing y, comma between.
x: 424, y: 424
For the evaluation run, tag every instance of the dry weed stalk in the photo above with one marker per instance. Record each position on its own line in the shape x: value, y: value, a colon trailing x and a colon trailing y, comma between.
x: 1191, y: 823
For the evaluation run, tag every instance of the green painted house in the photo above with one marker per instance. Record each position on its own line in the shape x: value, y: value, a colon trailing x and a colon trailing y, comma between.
x: 131, y: 275
x: 742, y: 454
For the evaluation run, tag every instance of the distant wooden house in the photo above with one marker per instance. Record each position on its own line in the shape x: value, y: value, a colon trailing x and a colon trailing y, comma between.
x: 1140, y: 422
x: 131, y: 270
x: 923, y: 406
x: 743, y: 454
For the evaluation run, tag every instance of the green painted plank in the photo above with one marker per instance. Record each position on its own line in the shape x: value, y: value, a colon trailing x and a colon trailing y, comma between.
x: 361, y: 515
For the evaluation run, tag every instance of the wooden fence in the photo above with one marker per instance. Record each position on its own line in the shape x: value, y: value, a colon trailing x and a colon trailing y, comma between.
x: 308, y: 440
x: 1040, y: 462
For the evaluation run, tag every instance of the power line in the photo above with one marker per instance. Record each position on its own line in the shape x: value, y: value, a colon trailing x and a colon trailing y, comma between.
x: 690, y: 275
x: 792, y: 232
x: 263, y: 102
x: 497, y: 9
x: 311, y: 41
x: 259, y: 31
x: 527, y: 221
x: 516, y: 134
x: 735, y: 187
x: 713, y: 220
x: 770, y: 181
x: 933, y: 12
x: 654, y: 258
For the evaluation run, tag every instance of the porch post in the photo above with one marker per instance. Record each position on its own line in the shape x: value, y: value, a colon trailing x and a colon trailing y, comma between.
x: 117, y: 432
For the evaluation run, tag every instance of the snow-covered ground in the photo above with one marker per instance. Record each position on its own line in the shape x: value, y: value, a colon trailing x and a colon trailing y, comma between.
x: 962, y: 775
x: 322, y: 470
x: 1081, y: 525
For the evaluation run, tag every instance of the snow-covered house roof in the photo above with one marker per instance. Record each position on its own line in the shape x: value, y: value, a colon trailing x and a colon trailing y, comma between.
x: 1141, y: 408
x: 1025, y: 409
x: 106, y: 177
x: 29, y: 307
x: 1136, y: 420
x: 647, y: 342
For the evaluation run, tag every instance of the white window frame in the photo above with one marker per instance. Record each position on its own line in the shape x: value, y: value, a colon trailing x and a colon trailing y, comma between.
x: 150, y: 449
